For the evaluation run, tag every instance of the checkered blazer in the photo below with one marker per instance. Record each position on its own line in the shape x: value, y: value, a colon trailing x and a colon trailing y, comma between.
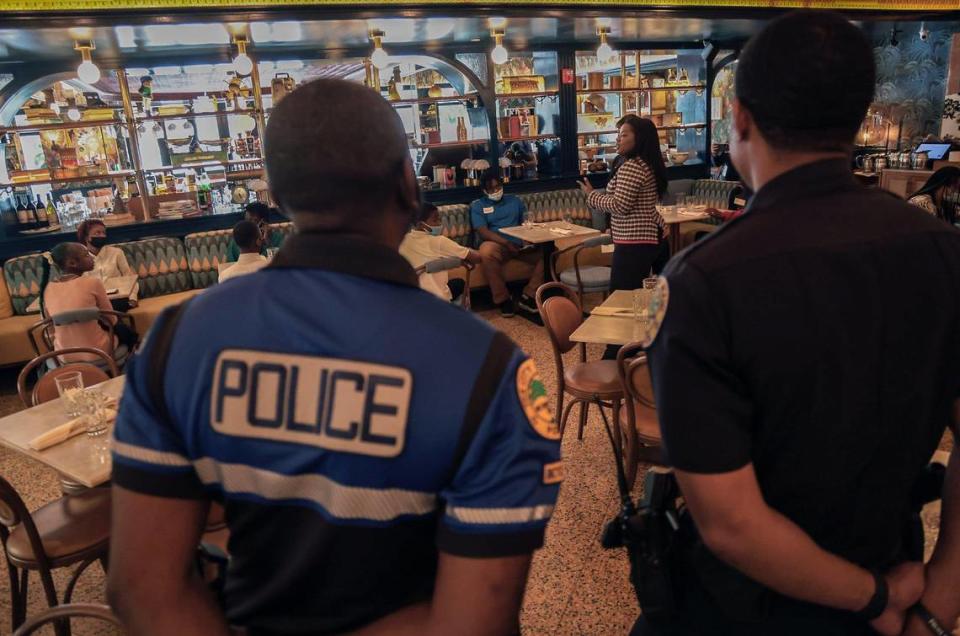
x: 631, y: 201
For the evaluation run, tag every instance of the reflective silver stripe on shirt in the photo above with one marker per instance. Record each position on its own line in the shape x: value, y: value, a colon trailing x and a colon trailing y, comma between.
x: 147, y: 455
x: 500, y: 515
x: 343, y: 502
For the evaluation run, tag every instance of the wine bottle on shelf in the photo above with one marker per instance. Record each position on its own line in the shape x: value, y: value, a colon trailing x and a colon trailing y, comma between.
x: 52, y: 218
x: 11, y: 225
x: 39, y: 216
x: 24, y: 218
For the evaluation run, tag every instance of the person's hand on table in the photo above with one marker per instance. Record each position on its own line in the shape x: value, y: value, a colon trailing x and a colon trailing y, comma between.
x: 133, y: 303
x: 905, y: 583
x: 585, y: 186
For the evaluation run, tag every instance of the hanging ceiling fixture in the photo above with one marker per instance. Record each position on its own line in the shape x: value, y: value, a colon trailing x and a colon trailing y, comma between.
x: 379, y: 57
x: 604, y: 51
x: 499, y: 54
x: 242, y: 64
x: 87, y: 71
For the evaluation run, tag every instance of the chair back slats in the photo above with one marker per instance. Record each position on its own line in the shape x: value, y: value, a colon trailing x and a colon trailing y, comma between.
x: 76, y: 316
x: 68, y: 611
x: 46, y: 387
x: 561, y: 315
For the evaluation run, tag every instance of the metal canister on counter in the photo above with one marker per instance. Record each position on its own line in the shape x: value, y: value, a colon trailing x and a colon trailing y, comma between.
x: 881, y: 163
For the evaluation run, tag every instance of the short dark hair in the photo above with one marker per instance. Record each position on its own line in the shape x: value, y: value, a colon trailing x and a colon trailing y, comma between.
x: 489, y: 178
x: 807, y: 79
x: 83, y: 230
x: 246, y: 234
x: 427, y: 210
x: 258, y: 209
x: 335, y: 146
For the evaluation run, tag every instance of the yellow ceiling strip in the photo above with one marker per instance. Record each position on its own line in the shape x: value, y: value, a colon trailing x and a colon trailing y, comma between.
x: 105, y: 5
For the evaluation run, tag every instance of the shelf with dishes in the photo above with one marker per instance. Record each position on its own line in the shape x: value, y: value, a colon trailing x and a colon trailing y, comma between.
x: 33, y: 128
x: 79, y: 179
x: 644, y: 89
x: 502, y: 97
x: 433, y: 100
x: 188, y: 115
x: 454, y: 144
x: 528, y: 138
x: 673, y: 127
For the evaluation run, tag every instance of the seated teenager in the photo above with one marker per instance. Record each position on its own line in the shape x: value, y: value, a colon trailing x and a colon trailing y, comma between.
x: 489, y: 214
x: 257, y: 213
x: 72, y: 291
x: 249, y: 240
x: 424, y: 243
x: 939, y: 195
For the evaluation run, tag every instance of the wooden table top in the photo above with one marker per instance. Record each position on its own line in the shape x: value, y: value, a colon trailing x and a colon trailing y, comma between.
x: 83, y: 459
x: 538, y: 233
x: 671, y: 218
x: 613, y: 330
x: 123, y: 284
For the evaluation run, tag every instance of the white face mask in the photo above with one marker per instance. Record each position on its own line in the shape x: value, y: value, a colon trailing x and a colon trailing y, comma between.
x: 495, y: 196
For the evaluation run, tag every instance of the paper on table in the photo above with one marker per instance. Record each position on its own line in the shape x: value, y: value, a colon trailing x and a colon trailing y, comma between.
x: 612, y: 311
x: 64, y: 432
x: 561, y: 231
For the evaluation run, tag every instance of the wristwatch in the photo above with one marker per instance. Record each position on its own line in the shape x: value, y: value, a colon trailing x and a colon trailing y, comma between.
x: 878, y: 602
x: 935, y: 626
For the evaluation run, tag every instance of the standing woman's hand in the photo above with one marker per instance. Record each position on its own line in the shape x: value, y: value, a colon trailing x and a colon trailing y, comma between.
x: 585, y: 186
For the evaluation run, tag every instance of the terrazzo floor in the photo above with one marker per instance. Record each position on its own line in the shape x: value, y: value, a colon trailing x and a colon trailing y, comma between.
x: 575, y: 587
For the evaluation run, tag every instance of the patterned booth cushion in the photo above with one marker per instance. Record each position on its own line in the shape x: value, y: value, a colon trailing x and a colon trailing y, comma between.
x: 205, y: 251
x: 161, y: 264
x: 285, y: 228
x: 557, y: 205
x: 712, y: 192
x: 455, y: 220
x: 23, y: 275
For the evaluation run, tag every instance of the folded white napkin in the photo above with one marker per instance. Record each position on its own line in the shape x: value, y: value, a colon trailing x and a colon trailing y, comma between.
x: 65, y: 431
x: 612, y: 311
x: 561, y: 231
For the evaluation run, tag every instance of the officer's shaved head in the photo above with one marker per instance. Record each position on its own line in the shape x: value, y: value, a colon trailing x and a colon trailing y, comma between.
x: 337, y: 150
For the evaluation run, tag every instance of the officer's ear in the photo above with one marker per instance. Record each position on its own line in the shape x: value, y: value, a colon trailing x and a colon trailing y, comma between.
x: 742, y: 123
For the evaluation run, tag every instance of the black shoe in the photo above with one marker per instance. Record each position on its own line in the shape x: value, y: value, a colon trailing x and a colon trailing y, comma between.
x: 528, y: 304
x: 507, y: 309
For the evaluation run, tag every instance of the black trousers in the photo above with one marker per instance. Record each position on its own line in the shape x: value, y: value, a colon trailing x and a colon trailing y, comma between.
x: 457, y: 287
x: 631, y: 264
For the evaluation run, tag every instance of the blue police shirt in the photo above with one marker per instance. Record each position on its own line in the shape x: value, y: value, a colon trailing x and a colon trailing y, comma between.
x: 507, y: 212
x: 352, y: 425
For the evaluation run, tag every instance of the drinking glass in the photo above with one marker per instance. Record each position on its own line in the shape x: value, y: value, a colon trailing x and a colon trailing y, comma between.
x: 93, y: 404
x: 271, y: 252
x: 650, y: 283
x: 638, y: 304
x: 70, y: 389
x: 681, y: 202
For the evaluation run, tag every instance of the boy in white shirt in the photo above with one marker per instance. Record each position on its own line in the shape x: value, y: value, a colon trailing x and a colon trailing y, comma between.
x: 424, y: 243
x: 249, y: 238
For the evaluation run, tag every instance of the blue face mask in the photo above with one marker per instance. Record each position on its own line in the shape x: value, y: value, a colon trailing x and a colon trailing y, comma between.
x: 436, y: 230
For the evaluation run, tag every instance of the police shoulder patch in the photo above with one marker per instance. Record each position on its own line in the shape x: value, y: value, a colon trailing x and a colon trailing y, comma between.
x: 656, y: 311
x: 535, y: 402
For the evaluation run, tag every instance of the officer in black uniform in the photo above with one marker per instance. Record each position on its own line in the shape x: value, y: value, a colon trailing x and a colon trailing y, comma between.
x: 818, y: 334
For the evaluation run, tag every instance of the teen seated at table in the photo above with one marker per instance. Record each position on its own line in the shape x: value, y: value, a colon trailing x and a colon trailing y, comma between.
x: 424, y: 243
x: 257, y: 213
x: 249, y: 240
x: 71, y: 291
x: 108, y: 261
x: 939, y: 195
x: 490, y: 214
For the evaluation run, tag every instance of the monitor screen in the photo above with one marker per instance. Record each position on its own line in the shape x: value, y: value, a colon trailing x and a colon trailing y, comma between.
x: 934, y: 151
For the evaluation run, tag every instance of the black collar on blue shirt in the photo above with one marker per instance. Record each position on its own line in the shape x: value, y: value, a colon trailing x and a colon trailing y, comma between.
x: 819, y: 177
x: 345, y: 255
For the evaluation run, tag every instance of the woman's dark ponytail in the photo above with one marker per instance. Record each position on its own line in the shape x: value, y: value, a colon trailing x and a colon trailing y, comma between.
x: 44, y: 280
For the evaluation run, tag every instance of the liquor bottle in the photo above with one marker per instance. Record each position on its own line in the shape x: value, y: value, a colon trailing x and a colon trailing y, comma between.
x: 24, y: 218
x: 11, y: 226
x: 461, y: 130
x: 52, y: 216
x: 39, y: 216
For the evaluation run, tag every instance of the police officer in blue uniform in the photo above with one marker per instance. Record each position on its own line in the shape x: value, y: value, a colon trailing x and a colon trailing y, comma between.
x: 818, y: 334
x: 386, y: 461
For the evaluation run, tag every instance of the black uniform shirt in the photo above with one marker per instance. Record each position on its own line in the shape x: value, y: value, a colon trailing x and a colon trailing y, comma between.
x: 816, y: 337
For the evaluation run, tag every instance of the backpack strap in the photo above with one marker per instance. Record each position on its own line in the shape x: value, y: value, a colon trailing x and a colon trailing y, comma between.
x: 161, y: 339
x: 491, y: 374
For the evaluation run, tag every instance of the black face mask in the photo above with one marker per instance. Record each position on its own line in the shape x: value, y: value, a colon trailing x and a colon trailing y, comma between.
x: 98, y: 241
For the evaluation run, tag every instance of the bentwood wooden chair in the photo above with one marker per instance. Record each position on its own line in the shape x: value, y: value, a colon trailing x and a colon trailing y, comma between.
x: 45, y: 388
x: 74, y: 529
x: 63, y: 614
x: 638, y: 419
x: 42, y: 333
x: 447, y: 263
x: 594, y: 382
x: 586, y: 279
